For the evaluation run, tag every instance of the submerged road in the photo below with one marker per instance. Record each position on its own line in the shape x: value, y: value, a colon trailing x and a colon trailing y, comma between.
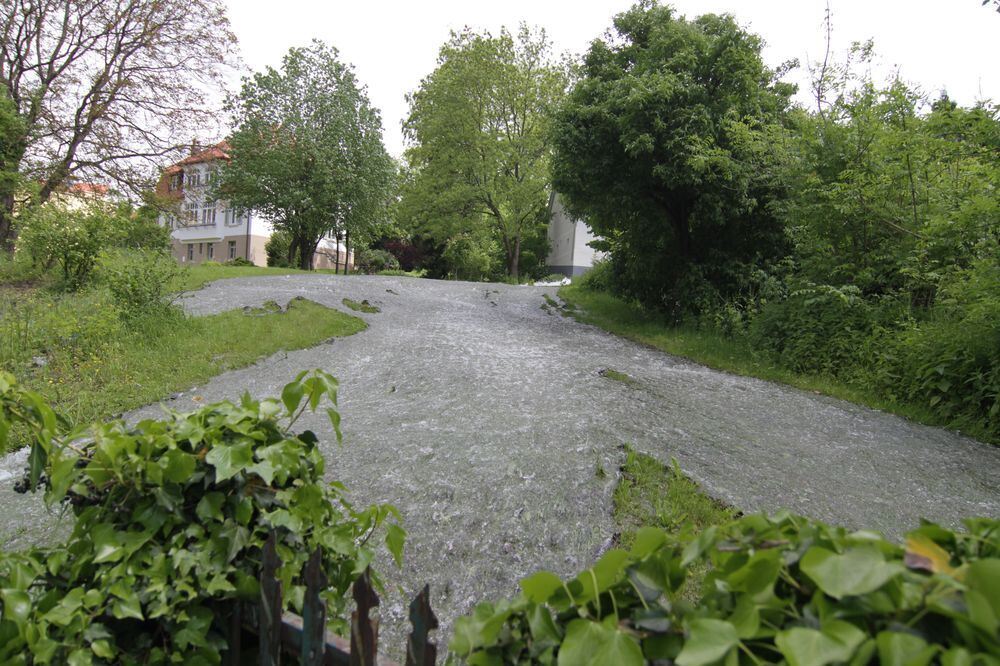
x: 484, y: 419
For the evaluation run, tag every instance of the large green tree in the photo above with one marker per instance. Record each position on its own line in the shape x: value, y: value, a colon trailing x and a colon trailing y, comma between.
x: 660, y: 146
x: 307, y: 151
x: 478, y: 158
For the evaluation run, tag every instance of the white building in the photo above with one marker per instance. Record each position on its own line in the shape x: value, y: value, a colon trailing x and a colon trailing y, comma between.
x: 203, y: 229
x: 569, y: 253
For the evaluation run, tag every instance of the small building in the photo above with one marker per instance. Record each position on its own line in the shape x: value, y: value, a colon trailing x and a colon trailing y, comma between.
x: 569, y: 252
x: 205, y: 229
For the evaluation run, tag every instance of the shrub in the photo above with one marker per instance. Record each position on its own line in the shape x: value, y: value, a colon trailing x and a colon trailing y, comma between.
x: 371, y: 261
x: 822, y: 329
x: 277, y: 248
x: 240, y: 261
x: 71, y: 239
x: 141, y: 282
x: 780, y: 589
x: 170, y: 518
x: 600, y: 277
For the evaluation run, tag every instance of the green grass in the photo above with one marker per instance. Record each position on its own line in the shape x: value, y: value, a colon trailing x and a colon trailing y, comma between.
x: 717, y: 351
x: 363, y: 306
x: 652, y: 494
x: 618, y: 376
x: 172, y: 352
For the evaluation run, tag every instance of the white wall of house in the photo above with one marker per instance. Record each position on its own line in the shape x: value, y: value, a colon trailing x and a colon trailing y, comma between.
x: 569, y: 253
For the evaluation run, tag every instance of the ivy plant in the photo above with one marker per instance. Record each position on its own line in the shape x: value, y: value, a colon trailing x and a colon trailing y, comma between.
x: 780, y: 589
x: 169, y: 520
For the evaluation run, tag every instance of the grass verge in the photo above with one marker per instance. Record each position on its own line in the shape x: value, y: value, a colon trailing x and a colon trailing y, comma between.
x: 363, y: 306
x: 650, y: 494
x: 131, y: 368
x: 729, y: 354
x: 654, y: 495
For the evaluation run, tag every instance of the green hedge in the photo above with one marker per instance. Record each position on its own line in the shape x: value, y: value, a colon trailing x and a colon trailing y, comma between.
x: 779, y: 589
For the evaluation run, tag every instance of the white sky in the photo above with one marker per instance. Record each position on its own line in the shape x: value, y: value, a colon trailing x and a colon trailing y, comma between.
x: 937, y: 44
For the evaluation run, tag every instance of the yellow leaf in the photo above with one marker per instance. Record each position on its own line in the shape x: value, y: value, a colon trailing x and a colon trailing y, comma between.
x: 922, y: 553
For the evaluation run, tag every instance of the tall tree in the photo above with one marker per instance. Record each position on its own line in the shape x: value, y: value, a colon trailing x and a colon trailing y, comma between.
x: 104, y: 88
x: 659, y: 146
x: 477, y: 130
x: 307, y: 151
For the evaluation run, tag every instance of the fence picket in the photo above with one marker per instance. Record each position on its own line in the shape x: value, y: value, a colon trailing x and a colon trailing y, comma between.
x: 420, y: 651
x: 364, y: 629
x: 314, y: 612
x: 269, y: 631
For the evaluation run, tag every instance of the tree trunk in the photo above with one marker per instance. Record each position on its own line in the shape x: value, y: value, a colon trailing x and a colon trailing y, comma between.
x: 347, y: 250
x: 515, y: 259
x: 7, y: 223
x: 306, y: 251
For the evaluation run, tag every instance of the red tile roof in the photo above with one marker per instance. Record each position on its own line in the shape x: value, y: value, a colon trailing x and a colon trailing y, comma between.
x: 219, y: 151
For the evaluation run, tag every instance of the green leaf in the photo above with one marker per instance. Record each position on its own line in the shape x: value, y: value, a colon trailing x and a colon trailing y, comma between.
x: 984, y: 577
x: 858, y: 571
x: 619, y: 648
x: 291, y: 396
x: 107, y: 545
x: 708, y: 641
x: 395, y: 538
x: 210, y: 506
x: 745, y: 617
x: 583, y: 639
x: 177, y: 465
x: 16, y: 605
x: 899, y: 649
x: 808, y: 647
x: 540, y: 586
x: 335, y: 422
x: 479, y: 630
x: 229, y: 460
x: 647, y: 539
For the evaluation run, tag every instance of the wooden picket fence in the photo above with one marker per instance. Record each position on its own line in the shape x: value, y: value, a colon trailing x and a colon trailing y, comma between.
x: 260, y: 633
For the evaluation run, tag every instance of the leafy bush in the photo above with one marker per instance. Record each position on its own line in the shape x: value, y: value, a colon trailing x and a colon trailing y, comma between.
x: 600, y: 277
x: 950, y: 362
x: 821, y: 328
x: 239, y: 261
x: 782, y: 589
x: 141, y: 282
x: 277, y: 248
x: 170, y: 518
x: 369, y: 260
x: 71, y: 239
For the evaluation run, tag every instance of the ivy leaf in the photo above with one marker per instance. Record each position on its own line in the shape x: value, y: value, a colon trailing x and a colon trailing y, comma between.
x: 229, y: 460
x: 16, y: 606
x: 708, y: 641
x: 898, y: 649
x: 619, y: 648
x: 177, y: 465
x: 107, y: 547
x: 923, y: 553
x: 808, y: 647
x: 395, y: 537
x: 291, y: 396
x: 210, y: 506
x: 335, y: 422
x: 583, y: 639
x: 857, y: 571
x: 540, y: 586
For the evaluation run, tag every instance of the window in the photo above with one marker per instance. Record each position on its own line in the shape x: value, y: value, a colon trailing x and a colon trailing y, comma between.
x: 201, y: 248
x: 191, y: 213
x: 232, y: 249
x: 208, y: 213
x: 211, y: 250
x: 190, y: 251
x: 175, y: 182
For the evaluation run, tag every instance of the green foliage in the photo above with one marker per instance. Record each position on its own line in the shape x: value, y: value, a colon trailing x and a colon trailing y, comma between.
x: 239, y: 261
x: 663, y: 147
x: 373, y: 260
x: 780, y: 589
x: 277, y: 249
x: 169, y: 521
x: 471, y: 256
x: 362, y: 306
x: 70, y: 239
x: 478, y: 160
x: 143, y: 232
x: 142, y: 282
x: 308, y: 153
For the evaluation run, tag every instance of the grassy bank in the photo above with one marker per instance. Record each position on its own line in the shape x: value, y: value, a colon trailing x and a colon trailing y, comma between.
x: 93, y: 368
x: 714, y: 350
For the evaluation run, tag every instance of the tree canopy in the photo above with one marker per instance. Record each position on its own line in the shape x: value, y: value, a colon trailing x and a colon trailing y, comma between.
x: 307, y: 151
x: 659, y: 147
x: 104, y: 88
x: 478, y: 157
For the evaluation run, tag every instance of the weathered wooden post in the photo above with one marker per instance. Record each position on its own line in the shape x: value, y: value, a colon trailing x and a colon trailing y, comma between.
x: 270, y: 605
x: 314, y: 612
x: 420, y: 651
x: 364, y: 629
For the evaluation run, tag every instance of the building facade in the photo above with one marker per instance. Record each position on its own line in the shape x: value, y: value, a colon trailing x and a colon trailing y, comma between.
x: 206, y: 229
x: 569, y: 252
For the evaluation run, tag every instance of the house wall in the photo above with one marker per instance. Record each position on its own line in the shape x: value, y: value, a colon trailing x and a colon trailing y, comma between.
x: 569, y: 253
x: 209, y: 248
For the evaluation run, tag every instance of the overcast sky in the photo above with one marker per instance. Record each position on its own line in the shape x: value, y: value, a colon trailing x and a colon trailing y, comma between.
x: 939, y: 44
